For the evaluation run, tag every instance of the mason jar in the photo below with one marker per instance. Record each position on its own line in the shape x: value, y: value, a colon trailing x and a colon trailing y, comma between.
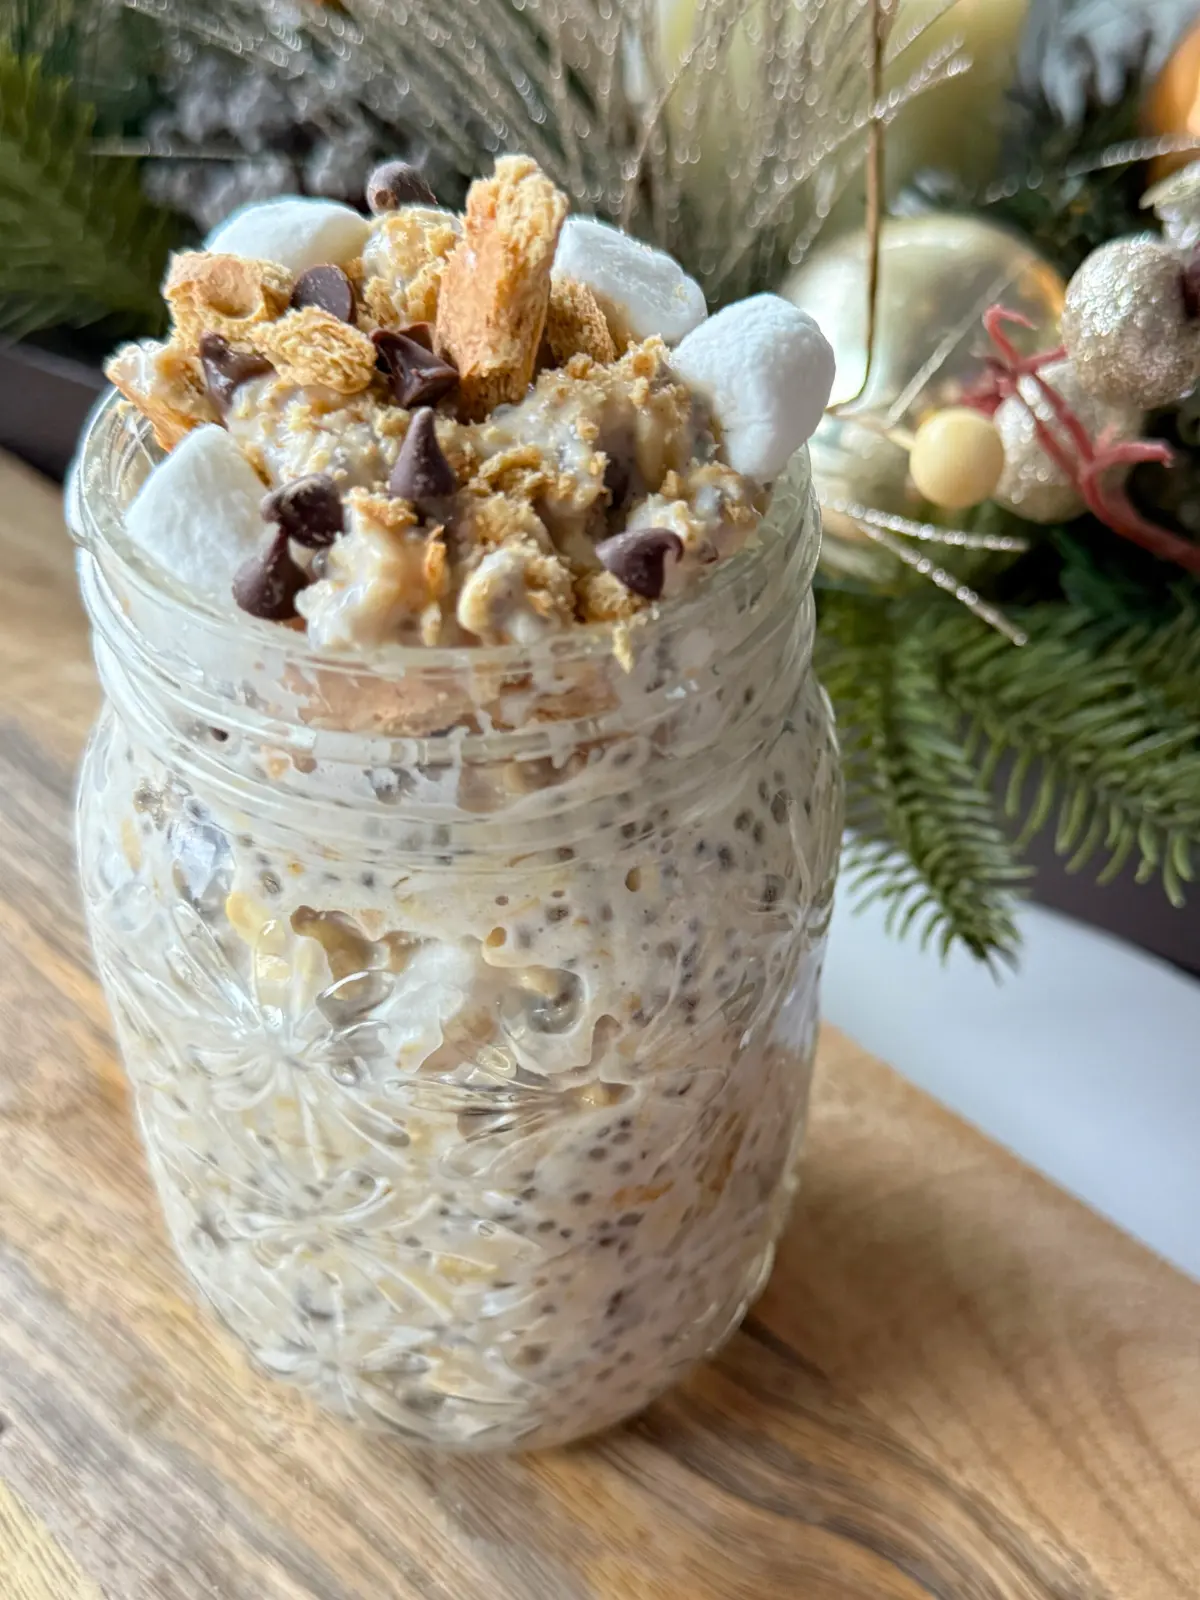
x: 468, y: 996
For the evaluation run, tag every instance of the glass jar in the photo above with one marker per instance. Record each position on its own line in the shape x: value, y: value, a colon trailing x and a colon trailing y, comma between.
x: 469, y: 1000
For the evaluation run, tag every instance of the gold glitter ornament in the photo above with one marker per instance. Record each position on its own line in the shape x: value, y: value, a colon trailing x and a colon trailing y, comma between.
x: 1032, y: 485
x: 1128, y: 326
x: 938, y: 273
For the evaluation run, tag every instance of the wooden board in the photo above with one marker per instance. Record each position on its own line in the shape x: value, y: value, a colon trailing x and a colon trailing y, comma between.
x: 960, y: 1384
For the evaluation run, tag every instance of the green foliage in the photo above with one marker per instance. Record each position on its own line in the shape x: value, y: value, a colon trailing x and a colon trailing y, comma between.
x: 80, y: 242
x: 1095, y: 723
x: 924, y: 836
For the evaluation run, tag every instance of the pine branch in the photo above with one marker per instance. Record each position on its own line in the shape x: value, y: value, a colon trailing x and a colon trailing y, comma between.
x: 924, y: 834
x: 80, y: 242
x: 1106, y: 720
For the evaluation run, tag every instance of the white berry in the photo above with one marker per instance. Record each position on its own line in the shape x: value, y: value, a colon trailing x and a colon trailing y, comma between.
x: 767, y: 370
x: 956, y: 458
x: 294, y: 231
x: 641, y: 290
x: 198, y: 514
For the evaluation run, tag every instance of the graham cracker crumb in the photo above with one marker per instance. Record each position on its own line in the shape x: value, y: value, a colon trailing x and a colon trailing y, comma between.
x: 496, y: 286
x: 603, y: 598
x: 496, y: 519
x: 314, y: 347
x: 520, y: 471
x: 229, y: 295
x: 575, y: 324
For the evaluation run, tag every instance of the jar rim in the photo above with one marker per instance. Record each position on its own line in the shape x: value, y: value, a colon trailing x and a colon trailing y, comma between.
x: 116, y: 440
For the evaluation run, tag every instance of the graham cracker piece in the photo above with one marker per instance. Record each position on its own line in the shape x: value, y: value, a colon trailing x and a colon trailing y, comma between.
x: 575, y: 324
x: 313, y: 346
x: 495, y: 289
x: 166, y: 385
x: 407, y: 255
x: 229, y: 295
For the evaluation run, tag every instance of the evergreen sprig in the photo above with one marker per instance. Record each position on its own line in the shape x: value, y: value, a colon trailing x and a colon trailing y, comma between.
x: 80, y: 241
x: 1096, y: 724
x: 1104, y: 720
x: 924, y: 836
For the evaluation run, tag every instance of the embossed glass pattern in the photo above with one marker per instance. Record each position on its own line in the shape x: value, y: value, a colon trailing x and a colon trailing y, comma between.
x: 469, y: 1003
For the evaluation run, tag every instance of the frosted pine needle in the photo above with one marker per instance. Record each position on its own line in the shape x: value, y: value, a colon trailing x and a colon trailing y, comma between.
x: 722, y: 130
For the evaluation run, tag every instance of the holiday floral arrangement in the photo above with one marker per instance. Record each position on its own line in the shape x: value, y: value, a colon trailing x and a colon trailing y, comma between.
x: 1009, y: 597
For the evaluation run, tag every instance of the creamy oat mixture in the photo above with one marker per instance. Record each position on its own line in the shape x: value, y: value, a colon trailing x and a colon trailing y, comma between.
x: 487, y: 1143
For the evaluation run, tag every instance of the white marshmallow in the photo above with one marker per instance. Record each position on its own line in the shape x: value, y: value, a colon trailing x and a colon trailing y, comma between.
x: 640, y: 290
x: 767, y: 371
x: 293, y: 231
x: 198, y: 514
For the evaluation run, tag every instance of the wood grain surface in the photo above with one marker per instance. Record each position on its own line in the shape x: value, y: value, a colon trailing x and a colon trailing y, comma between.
x: 960, y: 1384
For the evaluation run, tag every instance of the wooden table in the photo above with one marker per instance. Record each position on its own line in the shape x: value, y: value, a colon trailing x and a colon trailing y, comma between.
x: 960, y: 1384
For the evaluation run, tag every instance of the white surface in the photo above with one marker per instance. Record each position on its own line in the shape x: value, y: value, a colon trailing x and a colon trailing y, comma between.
x: 1086, y: 1063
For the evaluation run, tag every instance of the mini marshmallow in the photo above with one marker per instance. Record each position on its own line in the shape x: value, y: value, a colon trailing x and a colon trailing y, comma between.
x: 767, y: 371
x: 198, y: 514
x: 640, y: 290
x: 293, y: 231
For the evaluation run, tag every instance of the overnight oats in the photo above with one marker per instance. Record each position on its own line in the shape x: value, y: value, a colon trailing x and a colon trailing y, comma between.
x: 459, y: 834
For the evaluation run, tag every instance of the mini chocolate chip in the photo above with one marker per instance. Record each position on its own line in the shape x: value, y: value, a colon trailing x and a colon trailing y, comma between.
x: 328, y: 289
x: 267, y: 584
x: 638, y: 558
x: 226, y: 369
x: 308, y: 510
x: 418, y: 376
x: 422, y: 473
x: 397, y: 183
x: 422, y: 332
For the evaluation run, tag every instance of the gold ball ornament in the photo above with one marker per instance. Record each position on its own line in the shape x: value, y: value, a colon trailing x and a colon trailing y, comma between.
x: 956, y: 459
x: 937, y: 275
x: 1032, y: 485
x: 1128, y: 327
x: 1172, y: 106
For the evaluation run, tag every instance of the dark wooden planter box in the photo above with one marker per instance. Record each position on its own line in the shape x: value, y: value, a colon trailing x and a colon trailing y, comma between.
x: 45, y: 398
x: 43, y: 401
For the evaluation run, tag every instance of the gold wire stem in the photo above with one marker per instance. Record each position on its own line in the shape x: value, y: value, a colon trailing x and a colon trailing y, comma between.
x: 926, y: 532
x: 946, y: 581
x: 881, y: 17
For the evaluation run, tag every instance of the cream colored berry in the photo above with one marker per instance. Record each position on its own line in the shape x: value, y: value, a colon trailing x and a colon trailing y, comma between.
x: 956, y: 458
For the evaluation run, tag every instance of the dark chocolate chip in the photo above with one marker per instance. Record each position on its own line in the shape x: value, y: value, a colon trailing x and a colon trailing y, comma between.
x: 267, y: 584
x: 226, y: 369
x: 308, y: 510
x: 418, y: 377
x: 422, y: 474
x: 328, y: 289
x: 395, y: 184
x: 638, y: 558
x: 422, y: 332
